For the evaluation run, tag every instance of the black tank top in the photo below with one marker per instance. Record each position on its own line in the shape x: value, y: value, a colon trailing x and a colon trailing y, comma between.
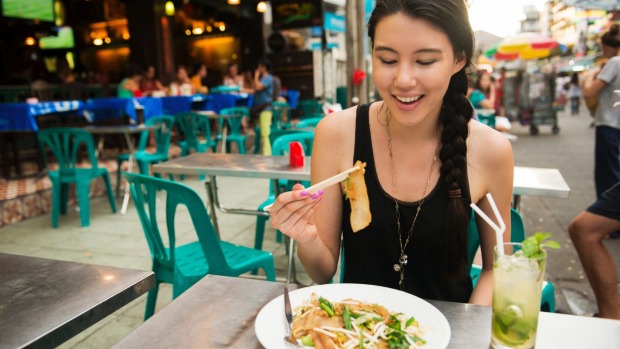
x: 370, y: 254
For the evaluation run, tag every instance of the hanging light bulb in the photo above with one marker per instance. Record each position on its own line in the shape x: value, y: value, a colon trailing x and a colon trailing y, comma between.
x: 169, y: 8
x: 234, y: 2
x: 261, y: 7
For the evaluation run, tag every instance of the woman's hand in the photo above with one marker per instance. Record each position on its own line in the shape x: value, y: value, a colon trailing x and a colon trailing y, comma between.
x: 293, y: 213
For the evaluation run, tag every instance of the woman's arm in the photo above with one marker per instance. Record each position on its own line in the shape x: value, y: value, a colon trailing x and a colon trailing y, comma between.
x: 592, y: 86
x: 317, y: 225
x: 498, y: 173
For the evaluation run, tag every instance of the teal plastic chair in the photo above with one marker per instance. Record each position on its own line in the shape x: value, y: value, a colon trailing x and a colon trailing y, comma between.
x: 184, y: 265
x: 164, y: 125
x: 281, y: 116
x: 517, y: 235
x: 196, y: 129
x: 308, y: 123
x: 310, y: 108
x: 280, y: 147
x: 234, y: 127
x: 66, y: 144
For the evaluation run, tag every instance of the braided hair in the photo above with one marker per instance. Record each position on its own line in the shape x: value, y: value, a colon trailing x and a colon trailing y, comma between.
x: 449, y: 16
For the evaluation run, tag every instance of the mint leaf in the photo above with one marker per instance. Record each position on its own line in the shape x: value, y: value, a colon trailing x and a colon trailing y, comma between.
x: 533, y: 246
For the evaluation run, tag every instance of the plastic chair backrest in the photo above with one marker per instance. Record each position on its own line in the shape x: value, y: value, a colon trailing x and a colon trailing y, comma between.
x: 517, y: 232
x: 281, y: 144
x: 144, y: 192
x: 310, y: 122
x: 164, y: 124
x: 309, y: 108
x: 281, y: 115
x: 234, y: 123
x: 65, y: 143
x: 193, y: 126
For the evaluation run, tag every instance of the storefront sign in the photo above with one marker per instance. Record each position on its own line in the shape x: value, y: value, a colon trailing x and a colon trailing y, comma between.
x: 335, y: 23
x: 289, y: 14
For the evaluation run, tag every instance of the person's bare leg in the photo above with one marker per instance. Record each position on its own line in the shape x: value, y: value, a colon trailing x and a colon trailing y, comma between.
x: 587, y: 231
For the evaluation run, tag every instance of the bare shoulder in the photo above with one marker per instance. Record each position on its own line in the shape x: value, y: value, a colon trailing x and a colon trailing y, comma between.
x: 488, y: 146
x: 334, y: 140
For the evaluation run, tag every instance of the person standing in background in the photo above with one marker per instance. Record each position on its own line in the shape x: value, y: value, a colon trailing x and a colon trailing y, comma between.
x: 606, y: 118
x: 574, y: 94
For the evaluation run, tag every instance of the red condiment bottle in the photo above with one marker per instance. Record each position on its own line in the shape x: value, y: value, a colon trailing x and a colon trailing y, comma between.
x: 296, y: 154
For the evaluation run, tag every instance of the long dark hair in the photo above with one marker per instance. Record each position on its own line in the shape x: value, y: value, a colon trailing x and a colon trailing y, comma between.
x: 449, y: 16
x: 612, y: 36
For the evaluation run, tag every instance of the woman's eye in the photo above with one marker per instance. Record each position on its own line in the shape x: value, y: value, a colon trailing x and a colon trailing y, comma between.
x: 387, y: 61
x: 426, y: 62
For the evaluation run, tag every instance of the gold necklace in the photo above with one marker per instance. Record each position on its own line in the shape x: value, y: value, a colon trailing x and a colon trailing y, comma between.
x: 402, y: 260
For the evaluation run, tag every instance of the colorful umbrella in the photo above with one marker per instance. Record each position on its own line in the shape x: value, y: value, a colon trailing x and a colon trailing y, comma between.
x: 527, y: 45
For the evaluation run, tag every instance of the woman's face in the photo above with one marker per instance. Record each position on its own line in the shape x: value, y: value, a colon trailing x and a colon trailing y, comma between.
x: 412, y: 66
x: 485, y: 81
x: 182, y: 74
x: 233, y: 70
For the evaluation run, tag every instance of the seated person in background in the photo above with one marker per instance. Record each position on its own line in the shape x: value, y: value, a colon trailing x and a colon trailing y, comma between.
x: 483, y: 97
x: 483, y: 94
x: 232, y: 77
x: 150, y: 83
x: 129, y: 87
x: 181, y: 84
x: 200, y: 73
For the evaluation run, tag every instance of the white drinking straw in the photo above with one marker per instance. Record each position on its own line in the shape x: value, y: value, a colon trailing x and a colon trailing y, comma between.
x: 499, y: 230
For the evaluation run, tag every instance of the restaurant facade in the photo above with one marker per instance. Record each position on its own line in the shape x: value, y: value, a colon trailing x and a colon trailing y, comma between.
x: 98, y: 41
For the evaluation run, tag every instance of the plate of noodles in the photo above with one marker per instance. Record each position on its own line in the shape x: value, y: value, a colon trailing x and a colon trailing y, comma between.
x: 353, y: 316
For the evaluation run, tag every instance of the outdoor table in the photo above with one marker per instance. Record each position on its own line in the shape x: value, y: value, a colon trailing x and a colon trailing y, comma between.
x: 534, y: 181
x: 127, y: 131
x: 23, y: 116
x: 220, y: 312
x: 44, y: 302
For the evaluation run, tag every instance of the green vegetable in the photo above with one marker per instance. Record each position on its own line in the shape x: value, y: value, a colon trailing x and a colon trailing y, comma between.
x: 347, y: 318
x: 361, y: 340
x: 533, y: 245
x: 410, y: 321
x: 307, y: 341
x: 327, y: 306
x: 346, y: 185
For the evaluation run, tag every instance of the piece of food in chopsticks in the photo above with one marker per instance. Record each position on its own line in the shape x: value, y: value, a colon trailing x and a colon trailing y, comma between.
x: 351, y: 323
x: 355, y: 190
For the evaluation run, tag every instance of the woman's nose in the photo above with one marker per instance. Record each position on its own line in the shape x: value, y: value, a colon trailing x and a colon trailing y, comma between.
x: 406, y: 76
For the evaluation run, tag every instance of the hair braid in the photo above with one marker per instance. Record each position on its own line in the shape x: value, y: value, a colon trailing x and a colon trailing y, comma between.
x: 455, y: 114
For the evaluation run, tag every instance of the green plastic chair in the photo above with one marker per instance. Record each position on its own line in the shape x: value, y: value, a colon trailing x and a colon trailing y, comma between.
x: 308, y: 123
x: 184, y: 265
x: 281, y: 116
x: 144, y: 159
x: 66, y: 144
x: 196, y: 129
x: 517, y: 229
x: 310, y: 108
x: 234, y: 127
x: 280, y: 147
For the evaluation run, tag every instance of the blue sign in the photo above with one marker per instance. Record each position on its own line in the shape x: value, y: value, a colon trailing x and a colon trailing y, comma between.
x: 334, y: 22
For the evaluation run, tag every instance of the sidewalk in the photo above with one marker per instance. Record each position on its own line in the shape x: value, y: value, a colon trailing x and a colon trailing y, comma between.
x: 117, y: 240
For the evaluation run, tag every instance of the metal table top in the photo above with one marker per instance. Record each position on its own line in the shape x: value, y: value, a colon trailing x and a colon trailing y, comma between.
x: 44, y: 302
x: 117, y: 129
x: 535, y: 181
x: 219, y: 312
x: 235, y: 165
x: 527, y: 180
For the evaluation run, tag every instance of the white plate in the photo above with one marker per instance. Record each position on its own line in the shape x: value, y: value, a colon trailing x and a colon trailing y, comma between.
x: 271, y: 324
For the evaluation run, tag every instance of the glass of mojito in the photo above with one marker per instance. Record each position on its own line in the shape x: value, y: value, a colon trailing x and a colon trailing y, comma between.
x: 517, y: 286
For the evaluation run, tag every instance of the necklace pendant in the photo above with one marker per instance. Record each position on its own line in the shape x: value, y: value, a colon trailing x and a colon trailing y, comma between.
x: 397, y: 268
x: 403, y: 259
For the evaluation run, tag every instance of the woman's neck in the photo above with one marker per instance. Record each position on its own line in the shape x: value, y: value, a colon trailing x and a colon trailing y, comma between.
x: 427, y: 130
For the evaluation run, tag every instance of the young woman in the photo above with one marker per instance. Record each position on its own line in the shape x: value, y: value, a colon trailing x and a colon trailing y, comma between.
x: 483, y: 95
x: 426, y: 161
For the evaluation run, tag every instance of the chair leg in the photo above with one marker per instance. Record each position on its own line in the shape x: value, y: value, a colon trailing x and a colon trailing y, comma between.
x: 83, y: 196
x: 64, y: 197
x: 56, y: 198
x: 144, y: 168
x: 151, y: 300
x: 108, y: 187
x: 241, y: 147
x: 118, y: 177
